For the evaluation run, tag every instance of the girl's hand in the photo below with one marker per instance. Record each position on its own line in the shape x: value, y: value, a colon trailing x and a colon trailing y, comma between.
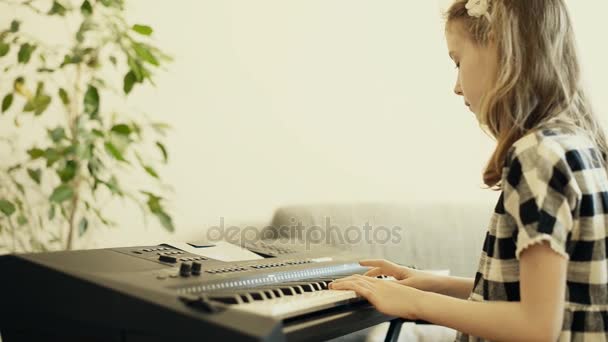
x: 388, y: 297
x: 405, y: 276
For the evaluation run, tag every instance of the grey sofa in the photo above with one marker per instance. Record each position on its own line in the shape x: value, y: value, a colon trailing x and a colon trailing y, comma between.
x: 437, y: 236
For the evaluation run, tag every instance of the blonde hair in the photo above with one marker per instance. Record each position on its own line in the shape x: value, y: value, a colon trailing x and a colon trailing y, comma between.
x: 538, y: 76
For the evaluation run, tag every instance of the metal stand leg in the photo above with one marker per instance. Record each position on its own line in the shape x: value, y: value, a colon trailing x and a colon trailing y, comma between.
x: 393, y: 330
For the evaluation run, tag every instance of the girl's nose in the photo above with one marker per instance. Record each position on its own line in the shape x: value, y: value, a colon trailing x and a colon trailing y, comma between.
x: 457, y: 89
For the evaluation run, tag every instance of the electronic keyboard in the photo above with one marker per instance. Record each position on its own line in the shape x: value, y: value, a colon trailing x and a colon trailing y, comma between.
x: 158, y: 293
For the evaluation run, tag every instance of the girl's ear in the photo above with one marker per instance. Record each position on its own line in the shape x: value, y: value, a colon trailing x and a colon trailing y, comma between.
x: 491, y: 37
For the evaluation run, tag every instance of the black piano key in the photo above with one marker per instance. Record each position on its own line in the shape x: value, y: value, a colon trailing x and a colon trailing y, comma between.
x: 273, y: 293
x: 226, y: 298
x: 281, y: 290
x: 246, y: 297
x: 304, y: 286
x: 318, y: 285
x: 260, y: 295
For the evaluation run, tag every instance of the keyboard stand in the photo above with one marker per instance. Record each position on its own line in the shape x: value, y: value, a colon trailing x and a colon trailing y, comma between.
x: 392, y: 335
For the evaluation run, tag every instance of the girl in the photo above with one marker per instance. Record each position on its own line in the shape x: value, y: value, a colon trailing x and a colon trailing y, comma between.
x: 543, y: 273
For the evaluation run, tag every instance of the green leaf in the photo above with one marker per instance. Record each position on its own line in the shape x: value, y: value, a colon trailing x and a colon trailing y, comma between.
x: 151, y: 171
x: 43, y: 102
x: 20, y: 187
x: 4, y: 49
x: 19, y: 204
x: 113, y: 186
x: 30, y: 105
x: 25, y: 53
x: 39, y: 88
x: 113, y: 151
x: 51, y: 214
x: 160, y: 127
x: 166, y: 221
x: 91, y: 101
x: 163, y: 150
x: 15, y: 26
x: 82, y: 226
x: 7, y: 101
x: 67, y: 59
x: 153, y: 202
x: 138, y: 69
x: 63, y: 95
x: 136, y: 128
x: 7, y: 207
x: 82, y: 151
x: 57, y: 134
x: 61, y: 193
x: 35, y: 153
x: 97, y: 133
x: 86, y: 8
x: 68, y: 172
x: 93, y: 166
x: 14, y: 168
x: 145, y: 54
x: 113, y: 3
x: 156, y: 208
x: 129, y: 81
x: 121, y: 129
x: 51, y: 155
x: 70, y: 150
x: 38, y: 104
x: 19, y: 83
x: 35, y: 175
x: 142, y: 29
x: 57, y: 8
x: 21, y: 220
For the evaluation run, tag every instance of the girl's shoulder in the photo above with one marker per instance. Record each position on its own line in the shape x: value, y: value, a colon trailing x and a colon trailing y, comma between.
x: 556, y: 143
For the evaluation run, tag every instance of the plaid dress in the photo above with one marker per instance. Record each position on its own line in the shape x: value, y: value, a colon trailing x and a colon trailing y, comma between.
x: 554, y: 189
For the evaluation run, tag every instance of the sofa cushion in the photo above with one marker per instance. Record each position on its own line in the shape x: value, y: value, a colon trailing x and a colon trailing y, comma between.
x: 427, y: 235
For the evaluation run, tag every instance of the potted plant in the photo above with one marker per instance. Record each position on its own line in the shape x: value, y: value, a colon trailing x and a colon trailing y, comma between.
x: 66, y: 141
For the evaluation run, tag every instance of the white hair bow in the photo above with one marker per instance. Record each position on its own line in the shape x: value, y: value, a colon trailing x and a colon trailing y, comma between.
x: 478, y: 8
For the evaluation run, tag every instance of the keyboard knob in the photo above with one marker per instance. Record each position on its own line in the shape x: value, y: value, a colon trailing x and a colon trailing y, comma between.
x: 185, y: 268
x: 167, y: 258
x: 196, y: 268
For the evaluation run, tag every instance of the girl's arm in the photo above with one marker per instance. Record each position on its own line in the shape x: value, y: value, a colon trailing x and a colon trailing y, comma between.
x: 538, y: 317
x: 452, y: 286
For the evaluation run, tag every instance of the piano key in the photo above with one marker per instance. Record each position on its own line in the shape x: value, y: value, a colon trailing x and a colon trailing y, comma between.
x: 260, y: 295
x: 292, y: 305
x: 227, y: 298
x: 306, y: 287
x: 296, y: 305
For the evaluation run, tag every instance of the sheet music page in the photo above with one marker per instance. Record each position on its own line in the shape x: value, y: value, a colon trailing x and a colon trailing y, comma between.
x: 221, y: 250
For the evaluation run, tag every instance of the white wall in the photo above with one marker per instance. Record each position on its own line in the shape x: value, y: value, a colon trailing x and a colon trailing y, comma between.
x: 278, y: 102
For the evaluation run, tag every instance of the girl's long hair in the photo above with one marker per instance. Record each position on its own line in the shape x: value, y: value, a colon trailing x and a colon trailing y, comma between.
x: 538, y: 76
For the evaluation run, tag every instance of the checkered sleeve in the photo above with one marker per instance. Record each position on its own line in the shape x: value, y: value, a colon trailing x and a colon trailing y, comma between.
x: 539, y: 194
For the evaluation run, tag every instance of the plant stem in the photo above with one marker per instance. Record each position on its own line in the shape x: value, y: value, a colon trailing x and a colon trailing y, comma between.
x: 73, y: 123
x: 12, y: 226
x: 73, y: 209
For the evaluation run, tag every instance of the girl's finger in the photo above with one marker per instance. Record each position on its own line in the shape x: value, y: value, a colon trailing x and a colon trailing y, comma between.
x: 376, y: 271
x: 358, y: 287
x: 373, y: 262
x: 359, y: 279
x: 342, y: 279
